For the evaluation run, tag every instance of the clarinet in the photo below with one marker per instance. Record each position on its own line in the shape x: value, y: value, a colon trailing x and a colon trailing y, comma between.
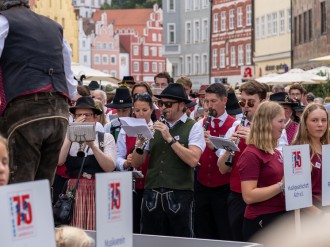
x: 140, y: 149
x: 229, y: 161
x: 208, y: 120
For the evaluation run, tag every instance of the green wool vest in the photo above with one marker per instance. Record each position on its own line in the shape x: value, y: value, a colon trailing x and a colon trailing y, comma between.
x: 166, y: 169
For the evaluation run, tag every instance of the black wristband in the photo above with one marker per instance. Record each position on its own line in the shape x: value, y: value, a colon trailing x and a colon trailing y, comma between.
x: 172, y: 142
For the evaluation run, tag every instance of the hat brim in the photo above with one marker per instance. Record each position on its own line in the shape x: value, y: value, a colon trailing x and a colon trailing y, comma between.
x: 292, y: 104
x: 161, y: 96
x: 85, y: 106
x: 234, y: 111
x: 191, y: 104
x: 119, y: 106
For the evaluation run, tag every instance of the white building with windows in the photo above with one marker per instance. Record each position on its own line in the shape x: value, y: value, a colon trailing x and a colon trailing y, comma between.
x: 272, y: 37
x: 187, y: 38
x: 86, y: 36
x: 86, y: 8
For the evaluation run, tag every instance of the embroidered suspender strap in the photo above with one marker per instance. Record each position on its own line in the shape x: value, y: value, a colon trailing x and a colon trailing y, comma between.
x: 79, y: 175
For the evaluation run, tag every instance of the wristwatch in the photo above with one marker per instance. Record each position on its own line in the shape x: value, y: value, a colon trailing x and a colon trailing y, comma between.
x: 172, y: 142
x: 281, y: 186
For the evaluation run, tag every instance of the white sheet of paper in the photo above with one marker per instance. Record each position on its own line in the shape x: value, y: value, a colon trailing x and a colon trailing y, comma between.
x: 136, y: 126
x: 325, y: 166
x: 114, y: 224
x: 26, y: 215
x: 223, y: 143
x: 297, y: 177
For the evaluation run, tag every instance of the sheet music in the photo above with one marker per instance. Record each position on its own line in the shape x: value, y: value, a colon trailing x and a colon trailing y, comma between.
x: 136, y: 126
x: 224, y: 143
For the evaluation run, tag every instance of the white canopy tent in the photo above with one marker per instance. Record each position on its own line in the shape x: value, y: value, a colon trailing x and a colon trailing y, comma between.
x: 93, y: 75
x: 296, y: 75
x: 321, y: 59
x: 266, y: 78
x: 323, y: 69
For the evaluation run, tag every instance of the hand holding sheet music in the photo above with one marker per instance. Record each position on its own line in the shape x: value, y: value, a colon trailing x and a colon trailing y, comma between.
x: 136, y: 126
x: 224, y: 143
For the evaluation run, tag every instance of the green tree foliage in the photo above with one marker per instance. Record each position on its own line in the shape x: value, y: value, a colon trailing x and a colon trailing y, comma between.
x: 131, y: 4
x: 320, y: 90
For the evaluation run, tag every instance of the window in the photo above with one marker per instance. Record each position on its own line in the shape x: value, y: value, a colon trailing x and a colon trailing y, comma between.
x: 215, y: 22
x: 289, y: 20
x: 239, y: 17
x: 310, y: 24
x: 146, y: 50
x: 154, y: 37
x: 205, y: 3
x: 231, y: 19
x: 104, y: 59
x: 240, y: 55
x: 97, y: 59
x: 188, y: 4
x: 135, y: 50
x: 188, y: 65
x: 160, y: 67
x: 323, y: 18
x: 257, y: 28
x: 146, y: 67
x: 269, y: 24
x: 262, y: 27
x: 99, y: 45
x: 104, y: 46
x: 171, y: 5
x: 154, y: 67
x: 196, y: 65
x: 205, y: 30
x: 248, y: 15
x: 300, y: 29
x: 282, y: 24
x: 204, y: 64
x: 214, y: 58
x: 274, y: 23
x: 171, y: 33
x: 136, y: 67
x: 296, y: 36
x: 84, y: 44
x: 111, y: 46
x: 305, y: 26
x: 113, y: 59
x: 197, y: 32
x: 233, y: 56
x: 160, y: 51
x: 248, y: 54
x: 113, y: 73
x: 223, y: 21
x: 153, y: 51
x: 85, y: 58
x: 196, y: 4
x: 188, y: 33
x: 222, y: 57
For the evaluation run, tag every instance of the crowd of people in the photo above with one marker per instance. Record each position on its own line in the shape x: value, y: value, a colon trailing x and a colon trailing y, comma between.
x: 183, y: 185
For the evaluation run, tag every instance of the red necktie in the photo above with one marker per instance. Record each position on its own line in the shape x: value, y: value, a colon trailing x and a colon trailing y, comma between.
x: 216, y: 122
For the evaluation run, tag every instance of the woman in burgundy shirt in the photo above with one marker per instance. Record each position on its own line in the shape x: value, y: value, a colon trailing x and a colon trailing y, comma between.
x: 314, y: 130
x: 261, y: 170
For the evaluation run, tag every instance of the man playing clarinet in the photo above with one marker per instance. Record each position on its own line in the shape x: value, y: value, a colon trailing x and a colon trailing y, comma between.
x: 211, y: 187
x: 168, y: 199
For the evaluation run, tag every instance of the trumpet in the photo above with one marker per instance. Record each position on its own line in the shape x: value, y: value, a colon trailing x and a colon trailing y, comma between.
x: 140, y: 149
x: 229, y: 161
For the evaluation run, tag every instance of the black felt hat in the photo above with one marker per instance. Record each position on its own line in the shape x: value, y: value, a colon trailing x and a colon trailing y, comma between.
x: 283, y: 99
x: 85, y: 102
x: 122, y: 99
x: 174, y: 91
x: 128, y: 80
x: 232, y: 106
x: 93, y: 85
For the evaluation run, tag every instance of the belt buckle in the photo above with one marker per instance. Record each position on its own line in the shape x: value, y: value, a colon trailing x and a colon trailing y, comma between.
x: 50, y: 71
x: 86, y: 175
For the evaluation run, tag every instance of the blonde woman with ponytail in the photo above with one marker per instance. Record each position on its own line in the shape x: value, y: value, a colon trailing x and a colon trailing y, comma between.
x: 261, y: 170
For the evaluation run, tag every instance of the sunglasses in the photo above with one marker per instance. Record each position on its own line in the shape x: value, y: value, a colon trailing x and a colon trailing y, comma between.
x: 167, y: 104
x: 250, y: 103
x: 145, y: 96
